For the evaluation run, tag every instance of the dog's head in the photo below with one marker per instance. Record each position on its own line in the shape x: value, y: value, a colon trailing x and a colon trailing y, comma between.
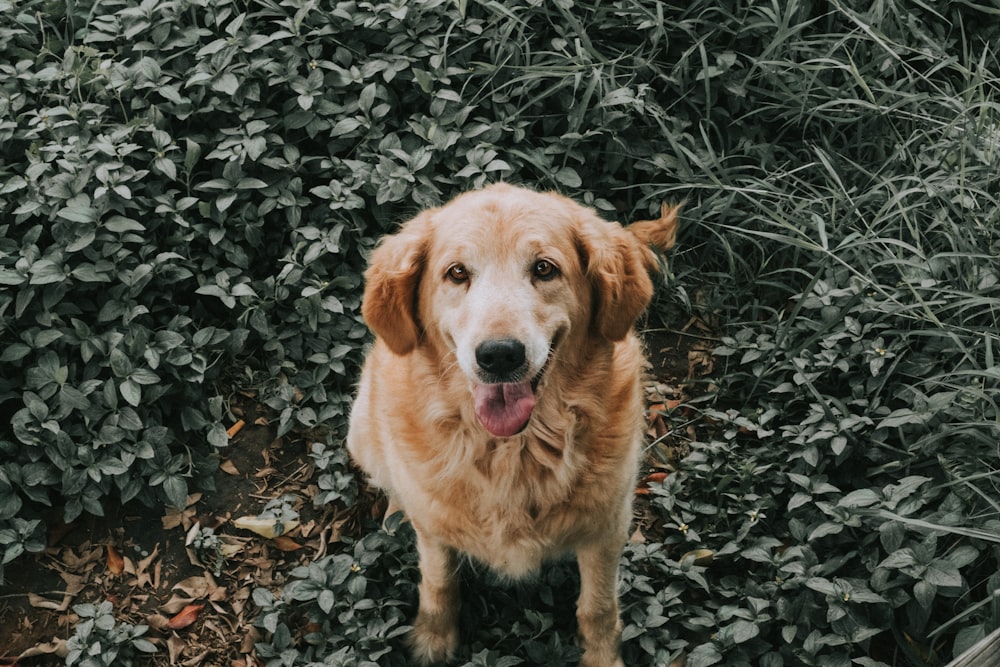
x: 500, y: 279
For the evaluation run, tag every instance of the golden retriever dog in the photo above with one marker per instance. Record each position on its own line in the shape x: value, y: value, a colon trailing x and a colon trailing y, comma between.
x: 501, y: 406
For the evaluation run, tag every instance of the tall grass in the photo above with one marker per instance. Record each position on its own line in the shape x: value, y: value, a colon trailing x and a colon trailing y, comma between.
x: 852, y: 210
x: 841, y: 169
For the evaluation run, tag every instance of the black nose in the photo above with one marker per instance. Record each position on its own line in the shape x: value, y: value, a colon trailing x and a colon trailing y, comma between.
x: 500, y: 357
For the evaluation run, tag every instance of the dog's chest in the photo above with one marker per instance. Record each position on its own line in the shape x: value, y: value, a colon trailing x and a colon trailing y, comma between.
x: 513, y: 512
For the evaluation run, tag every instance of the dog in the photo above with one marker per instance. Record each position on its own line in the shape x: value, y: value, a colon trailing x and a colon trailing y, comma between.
x: 500, y: 407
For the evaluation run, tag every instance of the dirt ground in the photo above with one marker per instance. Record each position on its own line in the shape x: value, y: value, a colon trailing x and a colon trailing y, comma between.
x: 140, y: 560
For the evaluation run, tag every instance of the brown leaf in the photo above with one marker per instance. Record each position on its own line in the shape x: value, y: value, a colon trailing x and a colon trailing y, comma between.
x: 655, y: 477
x: 175, y: 517
x: 175, y: 646
x: 197, y: 586
x: 74, y: 584
x: 229, y: 468
x: 143, y: 577
x: 55, y: 647
x: 185, y: 617
x: 114, y: 561
x: 286, y: 543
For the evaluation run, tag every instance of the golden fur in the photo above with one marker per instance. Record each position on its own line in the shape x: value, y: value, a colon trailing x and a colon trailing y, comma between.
x: 456, y: 298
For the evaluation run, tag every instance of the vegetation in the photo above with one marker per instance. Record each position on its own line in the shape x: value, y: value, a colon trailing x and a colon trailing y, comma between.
x: 188, y: 190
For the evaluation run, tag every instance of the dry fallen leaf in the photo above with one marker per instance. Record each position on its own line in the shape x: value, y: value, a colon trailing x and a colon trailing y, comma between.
x: 185, y: 617
x: 56, y: 647
x: 265, y: 526
x: 74, y: 584
x: 197, y: 587
x: 175, y: 517
x: 114, y: 561
x: 175, y: 646
x: 285, y: 543
x: 229, y: 468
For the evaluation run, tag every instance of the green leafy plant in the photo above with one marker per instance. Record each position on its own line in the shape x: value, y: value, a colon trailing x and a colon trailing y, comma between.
x: 189, y: 190
x: 102, y: 641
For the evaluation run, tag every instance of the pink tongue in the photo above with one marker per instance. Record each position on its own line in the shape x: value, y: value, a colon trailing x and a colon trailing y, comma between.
x: 504, y: 409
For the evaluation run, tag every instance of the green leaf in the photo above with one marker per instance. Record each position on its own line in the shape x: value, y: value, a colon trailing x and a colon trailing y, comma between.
x: 73, y: 398
x: 217, y: 436
x: 120, y: 224
x: 175, y: 489
x: 14, y: 352
x: 46, y: 271
x: 121, y: 365
x: 943, y: 573
x: 78, y: 213
x: 899, y: 559
x: 901, y: 417
x: 567, y: 177
x: 226, y: 83
x: 11, y: 277
x: 131, y: 392
x: 859, y: 498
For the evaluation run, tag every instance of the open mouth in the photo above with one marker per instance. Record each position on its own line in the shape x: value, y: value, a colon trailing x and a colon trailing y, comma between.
x: 504, y: 408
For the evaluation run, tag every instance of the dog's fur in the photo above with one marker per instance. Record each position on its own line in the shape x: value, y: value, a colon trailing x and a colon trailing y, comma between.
x: 537, y: 456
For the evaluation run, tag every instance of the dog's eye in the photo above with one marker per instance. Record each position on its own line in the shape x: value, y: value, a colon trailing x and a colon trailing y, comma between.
x: 458, y: 274
x: 544, y: 270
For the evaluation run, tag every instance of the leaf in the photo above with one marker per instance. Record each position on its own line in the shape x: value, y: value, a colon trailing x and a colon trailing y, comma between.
x: 743, y: 631
x: 75, y: 213
x: 943, y: 573
x: 285, y: 543
x: 114, y: 561
x: 899, y: 559
x: 902, y: 417
x: 45, y: 272
x: 859, y: 498
x: 226, y: 83
x: 119, y: 224
x: 269, y: 527
x: 568, y: 177
x: 131, y: 392
x: 185, y: 617
x: 175, y: 489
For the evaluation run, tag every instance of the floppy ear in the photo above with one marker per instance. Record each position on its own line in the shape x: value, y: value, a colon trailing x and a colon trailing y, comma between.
x: 618, y: 266
x: 389, y: 305
x: 618, y: 262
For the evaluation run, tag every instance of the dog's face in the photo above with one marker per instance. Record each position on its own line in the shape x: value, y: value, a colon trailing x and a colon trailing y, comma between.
x: 500, y: 280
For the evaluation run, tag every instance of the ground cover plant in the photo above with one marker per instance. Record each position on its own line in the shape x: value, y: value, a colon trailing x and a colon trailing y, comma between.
x: 188, y: 190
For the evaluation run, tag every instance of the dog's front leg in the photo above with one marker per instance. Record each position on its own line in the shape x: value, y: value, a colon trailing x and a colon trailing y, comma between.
x: 434, y: 637
x: 597, y: 613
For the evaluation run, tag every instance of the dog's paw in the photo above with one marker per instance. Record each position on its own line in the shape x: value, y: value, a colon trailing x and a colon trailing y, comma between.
x: 433, y: 640
x: 593, y: 660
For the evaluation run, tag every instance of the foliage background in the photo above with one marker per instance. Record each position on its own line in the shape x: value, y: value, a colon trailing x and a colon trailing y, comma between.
x: 188, y: 190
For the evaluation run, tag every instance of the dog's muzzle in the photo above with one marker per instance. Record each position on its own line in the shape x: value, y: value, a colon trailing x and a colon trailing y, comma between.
x: 505, y: 395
